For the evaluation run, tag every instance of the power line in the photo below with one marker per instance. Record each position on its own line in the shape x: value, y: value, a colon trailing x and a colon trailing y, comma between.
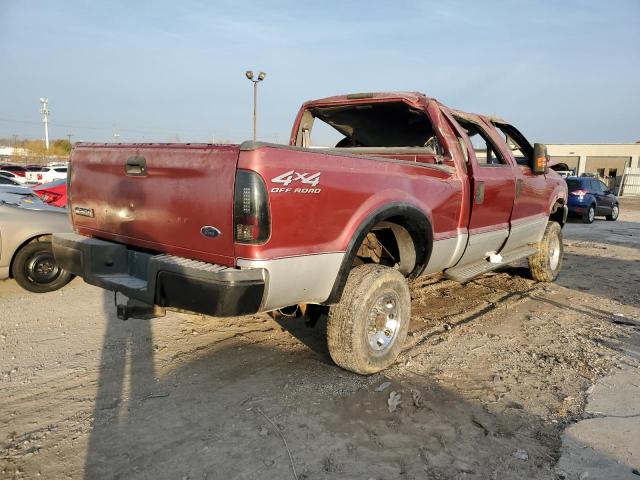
x: 142, y: 131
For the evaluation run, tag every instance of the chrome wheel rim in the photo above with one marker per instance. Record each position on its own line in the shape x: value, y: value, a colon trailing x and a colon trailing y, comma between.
x: 614, y: 212
x: 383, y: 322
x: 554, y: 252
x: 42, y: 268
x: 592, y: 214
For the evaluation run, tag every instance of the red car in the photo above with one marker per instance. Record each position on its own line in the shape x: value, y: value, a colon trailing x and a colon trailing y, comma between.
x: 53, y: 193
x: 409, y: 188
x: 17, y: 169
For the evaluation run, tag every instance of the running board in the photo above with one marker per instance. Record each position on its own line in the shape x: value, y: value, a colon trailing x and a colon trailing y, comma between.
x: 470, y: 271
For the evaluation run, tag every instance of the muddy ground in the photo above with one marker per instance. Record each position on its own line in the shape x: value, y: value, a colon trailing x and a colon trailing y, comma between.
x: 493, y: 372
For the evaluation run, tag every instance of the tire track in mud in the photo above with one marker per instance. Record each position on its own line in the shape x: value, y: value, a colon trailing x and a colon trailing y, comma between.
x: 470, y: 307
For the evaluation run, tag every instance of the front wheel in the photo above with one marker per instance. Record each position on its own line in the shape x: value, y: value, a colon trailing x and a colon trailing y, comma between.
x: 35, y: 269
x: 613, y: 216
x: 367, y: 329
x: 546, y: 263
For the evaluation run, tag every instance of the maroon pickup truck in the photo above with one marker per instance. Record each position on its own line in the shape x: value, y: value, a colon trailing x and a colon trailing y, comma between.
x: 410, y: 188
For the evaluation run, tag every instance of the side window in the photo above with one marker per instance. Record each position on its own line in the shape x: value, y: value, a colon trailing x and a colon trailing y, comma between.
x: 602, y: 187
x: 520, y: 147
x: 486, y: 153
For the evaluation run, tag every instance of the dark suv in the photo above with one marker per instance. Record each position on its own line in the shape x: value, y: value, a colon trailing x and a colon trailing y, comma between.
x: 589, y: 197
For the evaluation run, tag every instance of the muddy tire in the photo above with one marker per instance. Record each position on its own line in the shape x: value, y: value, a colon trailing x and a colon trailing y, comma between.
x: 547, y: 262
x: 367, y: 329
x: 35, y: 269
x: 615, y: 211
x: 589, y: 215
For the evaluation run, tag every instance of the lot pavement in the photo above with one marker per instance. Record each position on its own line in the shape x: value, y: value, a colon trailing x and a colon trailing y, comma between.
x: 501, y: 378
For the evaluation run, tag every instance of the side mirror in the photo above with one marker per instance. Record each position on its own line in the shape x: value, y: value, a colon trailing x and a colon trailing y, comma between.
x: 540, y: 159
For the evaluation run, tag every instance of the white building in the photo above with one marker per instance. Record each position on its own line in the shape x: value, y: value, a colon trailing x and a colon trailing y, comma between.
x: 608, y: 161
x: 603, y: 159
x: 6, y: 152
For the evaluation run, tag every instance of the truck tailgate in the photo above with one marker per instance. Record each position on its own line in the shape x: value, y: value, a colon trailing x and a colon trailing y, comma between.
x: 156, y: 196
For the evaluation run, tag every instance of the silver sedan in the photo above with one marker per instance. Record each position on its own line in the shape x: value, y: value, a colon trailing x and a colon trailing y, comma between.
x: 26, y: 225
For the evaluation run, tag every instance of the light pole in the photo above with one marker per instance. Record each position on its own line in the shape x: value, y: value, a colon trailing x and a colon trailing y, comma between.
x: 261, y: 76
x: 45, y: 118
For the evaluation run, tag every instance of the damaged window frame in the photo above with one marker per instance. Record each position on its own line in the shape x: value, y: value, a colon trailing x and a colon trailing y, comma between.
x: 466, y: 123
x: 434, y: 146
x: 514, y: 137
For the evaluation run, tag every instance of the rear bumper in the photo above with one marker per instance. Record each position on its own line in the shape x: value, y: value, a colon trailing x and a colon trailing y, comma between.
x: 573, y: 209
x: 161, y: 279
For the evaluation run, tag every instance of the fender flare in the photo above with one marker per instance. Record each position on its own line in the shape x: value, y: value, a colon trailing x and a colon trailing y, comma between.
x: 421, y: 232
x: 559, y: 216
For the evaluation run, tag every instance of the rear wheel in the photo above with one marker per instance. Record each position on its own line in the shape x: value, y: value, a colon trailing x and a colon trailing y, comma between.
x: 35, y: 269
x: 589, y: 215
x: 367, y: 329
x: 613, y: 216
x: 546, y: 263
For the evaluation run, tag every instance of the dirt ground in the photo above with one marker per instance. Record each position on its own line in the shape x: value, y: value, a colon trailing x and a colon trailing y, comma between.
x: 493, y: 372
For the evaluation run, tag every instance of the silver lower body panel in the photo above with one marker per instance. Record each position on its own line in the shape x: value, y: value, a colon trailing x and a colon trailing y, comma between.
x: 301, y: 279
x: 446, y: 253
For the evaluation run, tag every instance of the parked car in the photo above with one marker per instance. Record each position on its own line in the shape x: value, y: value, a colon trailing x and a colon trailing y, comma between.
x: 8, y: 181
x: 26, y: 226
x: 47, y: 174
x: 411, y: 188
x: 13, y: 176
x: 53, y: 193
x: 17, y: 169
x: 589, y: 197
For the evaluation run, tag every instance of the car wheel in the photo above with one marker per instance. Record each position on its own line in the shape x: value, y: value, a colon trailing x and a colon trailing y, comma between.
x: 35, y: 269
x: 367, y: 329
x: 546, y: 263
x: 613, y: 216
x: 589, y: 215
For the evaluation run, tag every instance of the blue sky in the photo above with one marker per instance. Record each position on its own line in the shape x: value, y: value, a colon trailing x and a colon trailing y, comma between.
x: 562, y: 71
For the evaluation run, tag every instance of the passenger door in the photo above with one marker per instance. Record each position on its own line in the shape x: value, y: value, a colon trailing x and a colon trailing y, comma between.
x: 603, y: 196
x: 493, y: 192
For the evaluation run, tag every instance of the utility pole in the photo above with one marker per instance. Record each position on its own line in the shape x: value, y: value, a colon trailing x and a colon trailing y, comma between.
x: 45, y: 118
x: 15, y: 140
x: 69, y: 135
x: 261, y: 76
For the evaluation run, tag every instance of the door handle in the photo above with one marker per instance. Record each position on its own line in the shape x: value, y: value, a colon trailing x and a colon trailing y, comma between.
x: 518, y: 187
x: 479, y: 196
x: 136, y: 166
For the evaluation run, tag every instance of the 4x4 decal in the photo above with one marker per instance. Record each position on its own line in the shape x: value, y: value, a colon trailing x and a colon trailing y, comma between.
x: 287, y: 178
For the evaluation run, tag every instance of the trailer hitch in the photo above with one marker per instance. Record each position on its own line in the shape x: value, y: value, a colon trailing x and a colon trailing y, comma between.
x: 136, y: 309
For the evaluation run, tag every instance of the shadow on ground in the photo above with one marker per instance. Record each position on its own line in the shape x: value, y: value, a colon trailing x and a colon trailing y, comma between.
x: 199, y: 416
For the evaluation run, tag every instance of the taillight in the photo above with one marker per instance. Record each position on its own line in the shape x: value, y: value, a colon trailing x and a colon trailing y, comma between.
x: 50, y: 197
x: 250, y: 208
x: 579, y: 193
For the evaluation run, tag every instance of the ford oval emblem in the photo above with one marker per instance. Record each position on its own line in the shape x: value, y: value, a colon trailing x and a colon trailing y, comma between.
x: 209, y: 231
